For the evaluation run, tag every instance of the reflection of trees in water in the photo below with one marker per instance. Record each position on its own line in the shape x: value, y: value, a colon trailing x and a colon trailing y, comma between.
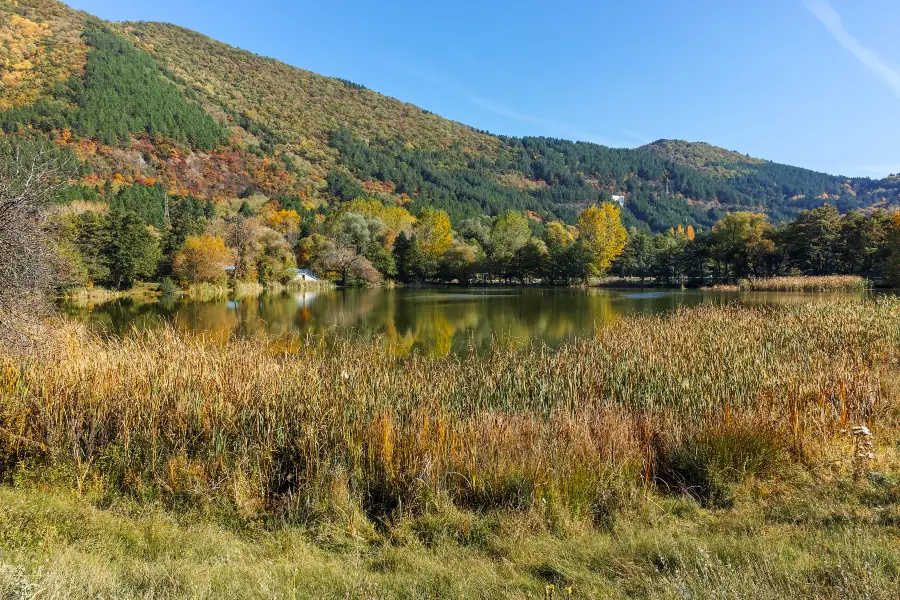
x: 433, y: 322
x: 213, y: 318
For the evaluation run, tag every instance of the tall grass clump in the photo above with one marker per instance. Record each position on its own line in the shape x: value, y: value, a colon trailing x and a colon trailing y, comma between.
x: 806, y: 283
x: 686, y: 402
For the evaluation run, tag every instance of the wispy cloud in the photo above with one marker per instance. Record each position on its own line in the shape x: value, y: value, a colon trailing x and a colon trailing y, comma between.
x: 560, y: 128
x: 870, y: 59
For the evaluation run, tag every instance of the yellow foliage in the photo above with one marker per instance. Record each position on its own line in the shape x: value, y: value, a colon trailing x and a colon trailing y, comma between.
x: 602, y: 228
x: 36, y: 55
x: 202, y: 259
x: 285, y: 222
x: 434, y: 232
x: 560, y: 235
x: 396, y: 218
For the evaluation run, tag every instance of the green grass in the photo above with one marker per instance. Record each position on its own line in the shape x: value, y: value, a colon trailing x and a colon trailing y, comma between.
x: 814, y: 539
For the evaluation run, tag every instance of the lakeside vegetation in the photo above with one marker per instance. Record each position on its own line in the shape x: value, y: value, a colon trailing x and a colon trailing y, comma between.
x: 704, y: 415
x: 833, y: 283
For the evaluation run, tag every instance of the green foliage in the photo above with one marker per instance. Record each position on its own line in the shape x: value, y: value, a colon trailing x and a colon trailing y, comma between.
x: 133, y: 250
x: 819, y: 242
x: 148, y: 202
x: 125, y: 94
x: 343, y: 187
x: 705, y: 467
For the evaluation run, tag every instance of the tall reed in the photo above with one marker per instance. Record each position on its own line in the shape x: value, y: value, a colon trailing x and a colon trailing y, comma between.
x: 806, y: 283
x: 287, y: 427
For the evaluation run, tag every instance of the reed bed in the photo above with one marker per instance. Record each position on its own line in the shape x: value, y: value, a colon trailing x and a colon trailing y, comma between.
x: 826, y: 283
x: 300, y: 429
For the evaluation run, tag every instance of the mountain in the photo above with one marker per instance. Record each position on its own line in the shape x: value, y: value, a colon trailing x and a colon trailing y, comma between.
x: 155, y: 105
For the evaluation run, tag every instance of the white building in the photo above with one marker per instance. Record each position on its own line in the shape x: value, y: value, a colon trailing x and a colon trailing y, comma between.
x: 303, y: 275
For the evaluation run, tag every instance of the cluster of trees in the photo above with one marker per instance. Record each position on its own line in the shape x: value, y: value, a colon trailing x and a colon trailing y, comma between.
x: 365, y: 240
x: 143, y: 234
x: 123, y: 94
x: 820, y: 241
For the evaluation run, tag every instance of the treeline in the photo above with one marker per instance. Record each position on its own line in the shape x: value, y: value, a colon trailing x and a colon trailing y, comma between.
x: 142, y: 233
x: 741, y: 245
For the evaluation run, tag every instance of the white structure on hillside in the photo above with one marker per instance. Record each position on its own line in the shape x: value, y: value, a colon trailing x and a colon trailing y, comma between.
x: 619, y: 200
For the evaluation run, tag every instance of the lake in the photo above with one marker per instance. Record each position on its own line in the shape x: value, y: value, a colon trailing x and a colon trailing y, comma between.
x: 434, y: 321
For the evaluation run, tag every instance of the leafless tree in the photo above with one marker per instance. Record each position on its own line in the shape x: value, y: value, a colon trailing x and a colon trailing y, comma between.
x: 347, y: 264
x: 30, y: 175
x: 245, y: 236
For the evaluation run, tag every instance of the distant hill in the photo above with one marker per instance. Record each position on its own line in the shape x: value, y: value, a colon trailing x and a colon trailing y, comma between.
x: 152, y: 104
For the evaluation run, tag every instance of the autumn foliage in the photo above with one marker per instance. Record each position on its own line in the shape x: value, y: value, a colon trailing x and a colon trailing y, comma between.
x: 202, y: 259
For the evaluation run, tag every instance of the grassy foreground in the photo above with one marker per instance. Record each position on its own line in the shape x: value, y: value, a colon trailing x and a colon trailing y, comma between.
x: 809, y: 540
x: 701, y: 454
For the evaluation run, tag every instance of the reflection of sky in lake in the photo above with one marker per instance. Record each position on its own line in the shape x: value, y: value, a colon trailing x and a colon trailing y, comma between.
x: 435, y: 321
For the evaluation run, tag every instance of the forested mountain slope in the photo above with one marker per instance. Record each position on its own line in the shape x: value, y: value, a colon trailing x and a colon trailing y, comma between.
x: 165, y: 110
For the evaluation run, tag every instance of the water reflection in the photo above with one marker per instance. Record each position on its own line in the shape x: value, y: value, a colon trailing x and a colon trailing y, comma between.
x: 434, y: 321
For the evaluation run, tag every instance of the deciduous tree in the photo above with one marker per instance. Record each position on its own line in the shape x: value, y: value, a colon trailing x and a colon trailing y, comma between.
x: 601, y: 229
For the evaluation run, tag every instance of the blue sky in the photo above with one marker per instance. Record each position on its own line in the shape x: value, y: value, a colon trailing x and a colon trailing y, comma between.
x: 814, y: 83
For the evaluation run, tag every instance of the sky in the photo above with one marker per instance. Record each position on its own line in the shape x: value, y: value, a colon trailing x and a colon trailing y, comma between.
x: 812, y: 83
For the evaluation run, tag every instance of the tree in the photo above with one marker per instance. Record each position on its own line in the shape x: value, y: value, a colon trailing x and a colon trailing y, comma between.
x: 601, y: 229
x: 285, y: 222
x: 30, y: 176
x: 558, y: 235
x: 530, y: 261
x: 275, y: 258
x: 348, y: 266
x: 309, y: 248
x: 356, y: 231
x: 413, y: 265
x: 460, y: 262
x: 202, y: 260
x: 743, y: 242
x: 637, y: 259
x: 812, y: 240
x: 509, y: 234
x: 862, y: 242
x: 893, y: 266
x: 381, y: 258
x: 245, y: 236
x: 395, y: 218
x: 133, y: 252
x: 83, y: 240
x: 342, y: 186
x: 433, y: 232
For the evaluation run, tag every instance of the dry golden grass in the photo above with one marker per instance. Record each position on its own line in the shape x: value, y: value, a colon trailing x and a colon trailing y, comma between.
x: 806, y: 283
x: 689, y: 401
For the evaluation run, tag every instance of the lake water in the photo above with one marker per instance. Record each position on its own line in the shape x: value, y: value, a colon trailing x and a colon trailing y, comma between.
x: 434, y: 321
